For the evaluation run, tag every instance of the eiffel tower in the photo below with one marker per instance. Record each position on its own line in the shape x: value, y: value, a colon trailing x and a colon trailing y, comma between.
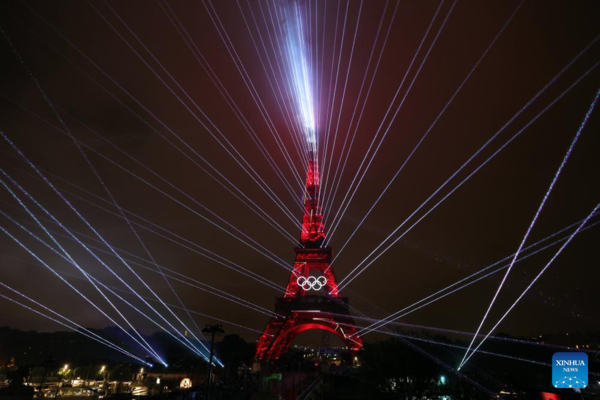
x: 312, y: 299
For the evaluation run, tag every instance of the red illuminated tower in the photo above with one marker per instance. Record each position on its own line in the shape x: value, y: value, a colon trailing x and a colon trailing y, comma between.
x: 312, y: 299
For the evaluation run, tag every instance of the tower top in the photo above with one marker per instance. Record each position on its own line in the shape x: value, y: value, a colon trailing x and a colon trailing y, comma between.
x: 313, y: 230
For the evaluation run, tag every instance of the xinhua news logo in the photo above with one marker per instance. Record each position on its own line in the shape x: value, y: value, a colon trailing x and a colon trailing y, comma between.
x: 570, y: 370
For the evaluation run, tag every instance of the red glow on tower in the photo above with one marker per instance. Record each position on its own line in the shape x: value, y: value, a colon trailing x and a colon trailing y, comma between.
x: 313, y: 230
x: 312, y: 299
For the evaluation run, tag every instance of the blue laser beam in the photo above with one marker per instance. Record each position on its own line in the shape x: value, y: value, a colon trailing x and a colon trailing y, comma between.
x: 367, y: 94
x: 102, y: 182
x: 337, y: 217
x: 208, y: 125
x: 535, y: 218
x: 212, y: 317
x: 73, y: 236
x: 216, y: 20
x: 394, y: 316
x: 339, y: 113
x: 300, y: 75
x: 428, y: 355
x: 330, y: 98
x: 87, y: 331
x: 425, y: 340
x: 105, y: 341
x: 439, y: 362
x: 78, y: 328
x: 94, y: 281
x: 70, y: 275
x: 183, y: 242
x: 259, y: 248
x: 464, y: 333
x: 424, y: 136
x: 144, y: 345
x: 196, y: 283
x: 279, y: 47
x: 176, y: 337
x: 291, y: 122
x: 560, y: 250
x: 560, y: 96
x: 149, y: 349
x: 149, y: 112
x: 420, y: 339
x: 190, y: 42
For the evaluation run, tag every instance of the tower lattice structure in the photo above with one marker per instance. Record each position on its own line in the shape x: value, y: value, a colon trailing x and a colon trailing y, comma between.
x: 311, y: 299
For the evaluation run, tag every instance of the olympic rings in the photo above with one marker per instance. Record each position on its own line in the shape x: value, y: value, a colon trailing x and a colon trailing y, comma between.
x: 311, y: 282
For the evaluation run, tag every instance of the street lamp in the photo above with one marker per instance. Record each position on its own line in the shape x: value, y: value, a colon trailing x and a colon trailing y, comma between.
x: 213, y: 330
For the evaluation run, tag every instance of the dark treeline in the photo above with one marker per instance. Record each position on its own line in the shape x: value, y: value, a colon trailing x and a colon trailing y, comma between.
x: 389, y: 368
x: 33, y: 348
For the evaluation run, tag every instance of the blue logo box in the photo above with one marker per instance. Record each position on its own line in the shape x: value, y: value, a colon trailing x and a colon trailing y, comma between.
x: 570, y: 370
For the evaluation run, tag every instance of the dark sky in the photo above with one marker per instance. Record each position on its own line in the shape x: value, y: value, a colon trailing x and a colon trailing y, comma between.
x: 72, y: 51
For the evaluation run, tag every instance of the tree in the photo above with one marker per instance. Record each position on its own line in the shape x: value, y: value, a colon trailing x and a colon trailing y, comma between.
x: 121, y: 372
x: 37, y: 372
x: 235, y: 352
x: 397, y: 371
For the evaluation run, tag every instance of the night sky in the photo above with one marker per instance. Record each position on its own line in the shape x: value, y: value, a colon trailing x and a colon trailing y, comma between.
x: 81, y: 62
